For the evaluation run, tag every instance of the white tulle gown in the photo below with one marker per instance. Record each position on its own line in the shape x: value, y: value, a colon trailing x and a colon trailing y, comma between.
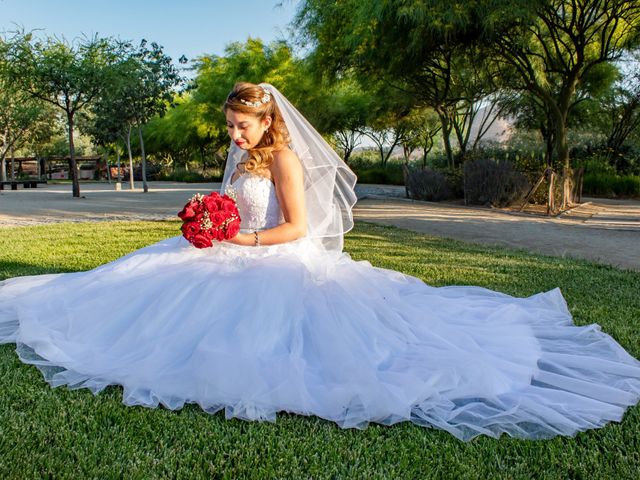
x: 257, y: 330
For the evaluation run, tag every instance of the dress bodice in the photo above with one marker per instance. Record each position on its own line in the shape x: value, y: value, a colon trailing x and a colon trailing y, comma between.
x: 257, y: 202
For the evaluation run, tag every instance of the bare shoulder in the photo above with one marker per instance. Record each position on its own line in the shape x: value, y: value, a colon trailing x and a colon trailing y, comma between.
x: 285, y: 162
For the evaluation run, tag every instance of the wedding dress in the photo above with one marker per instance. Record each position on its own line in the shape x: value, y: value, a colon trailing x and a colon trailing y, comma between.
x: 293, y: 327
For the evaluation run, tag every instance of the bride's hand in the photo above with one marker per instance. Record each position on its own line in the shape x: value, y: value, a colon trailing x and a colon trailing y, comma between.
x: 245, y: 239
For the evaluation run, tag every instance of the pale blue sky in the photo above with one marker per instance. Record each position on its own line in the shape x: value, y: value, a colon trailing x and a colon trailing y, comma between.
x: 189, y: 27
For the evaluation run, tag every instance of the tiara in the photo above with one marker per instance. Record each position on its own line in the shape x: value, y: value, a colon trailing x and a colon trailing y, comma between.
x: 265, y: 99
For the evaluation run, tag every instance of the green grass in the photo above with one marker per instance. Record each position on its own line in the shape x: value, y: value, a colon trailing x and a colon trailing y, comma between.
x: 73, y: 434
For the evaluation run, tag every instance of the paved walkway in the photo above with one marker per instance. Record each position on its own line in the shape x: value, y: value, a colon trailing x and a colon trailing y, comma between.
x: 607, y: 231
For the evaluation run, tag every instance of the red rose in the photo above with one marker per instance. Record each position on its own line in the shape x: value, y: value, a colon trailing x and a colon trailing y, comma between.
x: 229, y: 206
x: 187, y: 213
x: 210, y: 204
x: 217, y: 218
x: 232, y: 229
x: 201, y: 241
x: 216, y: 234
x: 189, y: 229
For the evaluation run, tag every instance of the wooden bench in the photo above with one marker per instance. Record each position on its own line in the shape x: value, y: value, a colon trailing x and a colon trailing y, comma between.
x: 25, y: 184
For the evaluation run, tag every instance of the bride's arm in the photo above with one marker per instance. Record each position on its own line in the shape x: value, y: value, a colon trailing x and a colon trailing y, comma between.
x: 286, y: 172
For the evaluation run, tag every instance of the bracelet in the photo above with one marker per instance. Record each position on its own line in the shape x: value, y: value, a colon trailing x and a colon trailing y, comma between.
x: 257, y: 238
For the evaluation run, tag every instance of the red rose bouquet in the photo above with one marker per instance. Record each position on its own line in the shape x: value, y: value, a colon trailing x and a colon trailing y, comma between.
x: 209, y: 217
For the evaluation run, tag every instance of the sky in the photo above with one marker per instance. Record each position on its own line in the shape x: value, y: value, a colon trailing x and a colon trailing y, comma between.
x: 183, y: 27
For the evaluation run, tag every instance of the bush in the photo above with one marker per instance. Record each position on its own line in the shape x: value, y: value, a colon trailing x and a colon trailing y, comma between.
x: 495, y: 183
x: 182, y: 175
x: 427, y: 184
x: 391, y: 175
x: 455, y: 180
x: 611, y: 185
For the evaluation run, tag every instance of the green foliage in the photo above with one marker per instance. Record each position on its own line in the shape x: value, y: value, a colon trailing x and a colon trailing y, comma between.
x: 181, y: 175
x: 24, y: 119
x: 389, y: 175
x: 252, y: 61
x: 64, y: 433
x: 68, y: 76
x: 366, y: 165
x: 611, y: 185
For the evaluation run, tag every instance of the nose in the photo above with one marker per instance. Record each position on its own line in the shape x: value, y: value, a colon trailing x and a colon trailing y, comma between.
x: 234, y: 133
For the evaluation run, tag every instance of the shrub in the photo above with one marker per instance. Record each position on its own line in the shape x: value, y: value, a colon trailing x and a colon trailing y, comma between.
x: 611, y: 185
x: 188, y: 176
x: 391, y: 175
x: 427, y: 184
x: 495, y: 183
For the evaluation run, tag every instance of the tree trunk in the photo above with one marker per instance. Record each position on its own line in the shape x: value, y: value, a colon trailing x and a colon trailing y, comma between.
x: 3, y: 156
x: 446, y: 138
x: 548, y: 156
x: 462, y: 127
x: 427, y: 145
x: 550, y: 195
x: 131, y: 184
x: 118, y: 163
x: 390, y: 151
x: 381, y: 151
x: 72, y: 158
x: 106, y: 162
x: 562, y: 147
x: 13, y: 164
x: 145, y: 187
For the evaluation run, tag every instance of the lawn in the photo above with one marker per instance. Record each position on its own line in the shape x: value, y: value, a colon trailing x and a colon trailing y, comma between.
x: 46, y: 432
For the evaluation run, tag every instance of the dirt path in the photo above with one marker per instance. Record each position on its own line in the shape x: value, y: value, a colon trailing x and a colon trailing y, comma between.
x: 607, y: 231
x: 604, y: 231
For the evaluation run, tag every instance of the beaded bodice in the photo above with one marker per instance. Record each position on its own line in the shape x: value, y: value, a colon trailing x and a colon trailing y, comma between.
x: 257, y: 202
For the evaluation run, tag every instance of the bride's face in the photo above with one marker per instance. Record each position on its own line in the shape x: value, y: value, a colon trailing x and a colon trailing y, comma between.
x: 245, y: 129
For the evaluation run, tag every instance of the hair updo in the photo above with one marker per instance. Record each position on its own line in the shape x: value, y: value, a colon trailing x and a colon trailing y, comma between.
x: 277, y: 137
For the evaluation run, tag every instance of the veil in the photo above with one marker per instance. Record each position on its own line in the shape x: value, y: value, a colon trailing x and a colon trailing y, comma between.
x: 328, y: 181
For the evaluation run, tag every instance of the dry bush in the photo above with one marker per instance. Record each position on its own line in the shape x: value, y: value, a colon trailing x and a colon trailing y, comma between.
x: 487, y: 182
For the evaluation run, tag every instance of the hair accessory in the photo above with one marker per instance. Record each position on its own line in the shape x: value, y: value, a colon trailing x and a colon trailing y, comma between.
x: 266, y: 98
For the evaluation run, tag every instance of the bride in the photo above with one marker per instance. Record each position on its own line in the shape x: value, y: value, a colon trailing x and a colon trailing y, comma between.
x: 280, y: 319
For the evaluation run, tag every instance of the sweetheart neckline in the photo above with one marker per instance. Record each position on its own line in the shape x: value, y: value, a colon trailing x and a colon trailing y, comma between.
x: 251, y: 175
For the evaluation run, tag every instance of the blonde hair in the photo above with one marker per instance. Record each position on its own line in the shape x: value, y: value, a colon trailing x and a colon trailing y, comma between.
x: 277, y: 137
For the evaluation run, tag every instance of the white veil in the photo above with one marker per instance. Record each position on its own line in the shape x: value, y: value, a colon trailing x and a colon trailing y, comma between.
x: 328, y: 181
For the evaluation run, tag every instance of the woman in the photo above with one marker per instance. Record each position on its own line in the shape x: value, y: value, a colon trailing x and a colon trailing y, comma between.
x: 280, y: 319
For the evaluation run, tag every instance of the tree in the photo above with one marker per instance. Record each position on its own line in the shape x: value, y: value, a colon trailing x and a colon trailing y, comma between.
x: 111, y: 117
x: 67, y: 76
x: 341, y: 110
x: 152, y: 89
x: 252, y: 61
x: 553, y: 50
x: 423, y: 48
x: 622, y: 112
x: 422, y: 127
x: 22, y: 119
x: 545, y: 47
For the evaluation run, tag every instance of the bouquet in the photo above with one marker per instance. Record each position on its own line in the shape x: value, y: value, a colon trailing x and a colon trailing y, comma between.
x: 209, y: 217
